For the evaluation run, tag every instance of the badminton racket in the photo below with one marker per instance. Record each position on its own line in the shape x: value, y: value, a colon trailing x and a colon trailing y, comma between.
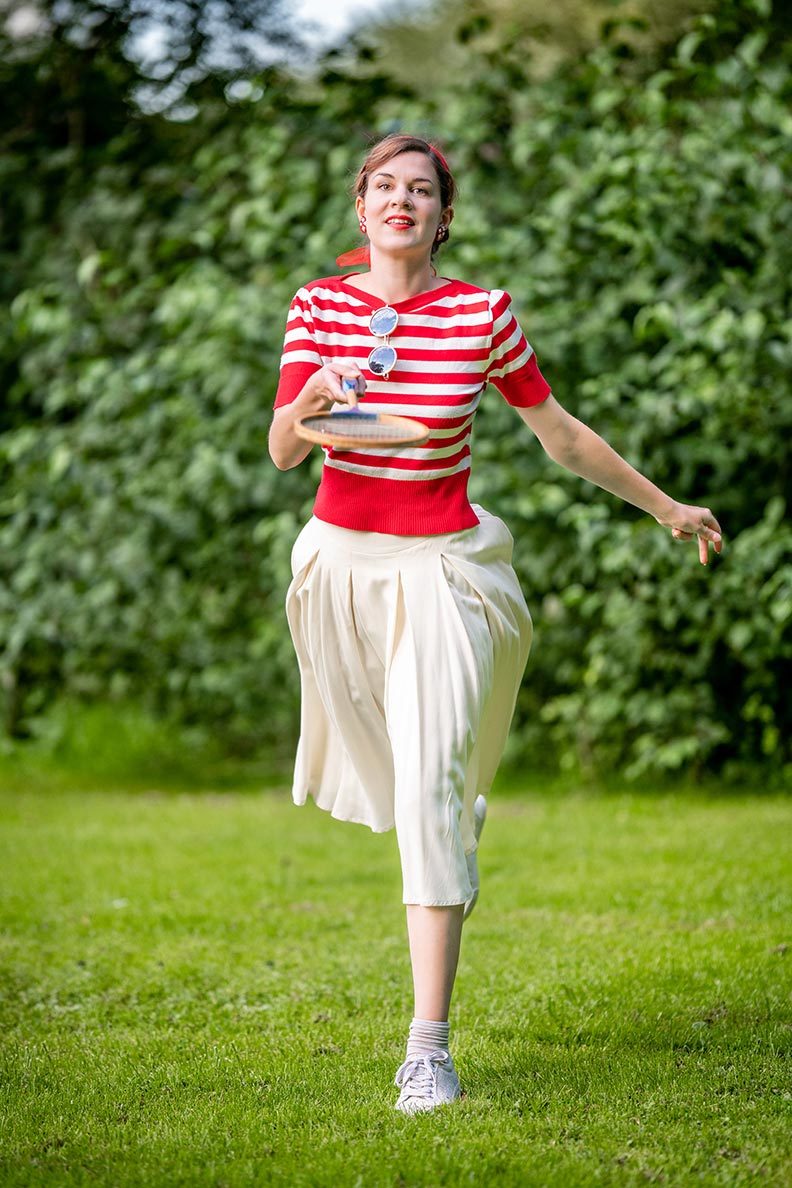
x: 352, y: 428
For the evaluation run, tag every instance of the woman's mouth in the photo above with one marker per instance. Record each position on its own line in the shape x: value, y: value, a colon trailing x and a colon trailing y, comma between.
x: 400, y: 222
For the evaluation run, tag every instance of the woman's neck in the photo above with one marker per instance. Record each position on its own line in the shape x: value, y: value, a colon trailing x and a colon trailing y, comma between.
x: 397, y: 279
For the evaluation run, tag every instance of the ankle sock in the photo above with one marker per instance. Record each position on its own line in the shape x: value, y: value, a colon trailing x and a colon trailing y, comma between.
x: 427, y: 1035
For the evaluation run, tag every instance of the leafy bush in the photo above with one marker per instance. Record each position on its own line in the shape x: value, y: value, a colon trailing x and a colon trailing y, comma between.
x: 653, y: 271
x: 639, y: 214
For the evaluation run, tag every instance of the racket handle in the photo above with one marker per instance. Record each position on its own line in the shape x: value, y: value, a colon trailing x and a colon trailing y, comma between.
x: 350, y: 385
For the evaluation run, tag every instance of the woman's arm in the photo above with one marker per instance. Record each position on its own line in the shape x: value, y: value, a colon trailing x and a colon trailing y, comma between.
x: 320, y: 393
x: 579, y: 449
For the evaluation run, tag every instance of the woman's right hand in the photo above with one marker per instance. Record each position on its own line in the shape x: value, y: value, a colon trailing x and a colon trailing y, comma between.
x: 324, y: 388
x: 319, y: 393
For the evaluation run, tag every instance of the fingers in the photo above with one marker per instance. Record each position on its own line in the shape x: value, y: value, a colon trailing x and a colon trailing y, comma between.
x: 710, y: 528
x: 704, y: 541
x: 699, y: 522
x: 346, y: 383
x: 712, y: 522
x: 709, y: 533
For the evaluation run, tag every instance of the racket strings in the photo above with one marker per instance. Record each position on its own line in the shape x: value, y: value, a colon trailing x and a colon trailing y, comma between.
x: 360, y: 430
x: 349, y: 430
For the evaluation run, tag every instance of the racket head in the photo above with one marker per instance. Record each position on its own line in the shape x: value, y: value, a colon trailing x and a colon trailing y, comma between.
x: 353, y: 430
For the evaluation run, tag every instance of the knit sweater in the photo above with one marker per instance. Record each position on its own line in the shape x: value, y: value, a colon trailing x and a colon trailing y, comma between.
x: 450, y: 342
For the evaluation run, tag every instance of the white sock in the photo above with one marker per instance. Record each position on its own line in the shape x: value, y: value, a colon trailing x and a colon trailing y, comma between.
x: 426, y: 1035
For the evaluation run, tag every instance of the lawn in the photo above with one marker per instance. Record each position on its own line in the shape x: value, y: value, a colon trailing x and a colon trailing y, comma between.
x: 212, y: 988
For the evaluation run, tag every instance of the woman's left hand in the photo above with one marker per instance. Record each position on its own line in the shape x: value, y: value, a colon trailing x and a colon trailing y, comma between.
x: 686, y: 521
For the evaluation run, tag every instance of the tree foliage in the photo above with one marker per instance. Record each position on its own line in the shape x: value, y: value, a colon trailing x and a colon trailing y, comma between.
x: 637, y: 209
x: 427, y: 45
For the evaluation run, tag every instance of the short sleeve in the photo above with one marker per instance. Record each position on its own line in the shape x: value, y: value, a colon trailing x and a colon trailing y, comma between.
x: 301, y: 356
x: 512, y: 366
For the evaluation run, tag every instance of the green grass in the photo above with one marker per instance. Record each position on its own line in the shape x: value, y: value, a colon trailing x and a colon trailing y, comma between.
x: 213, y: 989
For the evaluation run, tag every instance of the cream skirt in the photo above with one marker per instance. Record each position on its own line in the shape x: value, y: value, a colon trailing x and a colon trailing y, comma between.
x: 411, y: 651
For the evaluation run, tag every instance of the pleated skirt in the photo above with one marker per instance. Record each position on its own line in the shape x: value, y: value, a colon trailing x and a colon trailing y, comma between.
x: 411, y: 652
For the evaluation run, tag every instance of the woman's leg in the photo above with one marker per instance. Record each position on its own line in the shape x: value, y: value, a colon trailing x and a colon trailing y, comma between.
x: 428, y: 1077
x: 435, y: 934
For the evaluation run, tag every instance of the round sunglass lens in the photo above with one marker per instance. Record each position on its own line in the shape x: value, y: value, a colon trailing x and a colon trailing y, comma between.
x: 382, y: 360
x: 383, y: 321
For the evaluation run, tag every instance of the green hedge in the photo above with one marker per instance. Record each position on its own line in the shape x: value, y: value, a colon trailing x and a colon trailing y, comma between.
x: 639, y: 214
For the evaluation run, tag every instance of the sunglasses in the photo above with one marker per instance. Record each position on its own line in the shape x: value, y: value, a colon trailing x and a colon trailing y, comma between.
x: 382, y: 359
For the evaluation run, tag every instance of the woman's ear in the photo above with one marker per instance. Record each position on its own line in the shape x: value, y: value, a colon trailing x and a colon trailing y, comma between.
x: 360, y: 207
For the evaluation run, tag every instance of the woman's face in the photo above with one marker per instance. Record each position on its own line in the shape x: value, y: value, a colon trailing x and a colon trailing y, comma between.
x: 401, y: 205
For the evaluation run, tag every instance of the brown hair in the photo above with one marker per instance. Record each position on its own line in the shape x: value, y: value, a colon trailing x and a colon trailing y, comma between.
x: 393, y: 146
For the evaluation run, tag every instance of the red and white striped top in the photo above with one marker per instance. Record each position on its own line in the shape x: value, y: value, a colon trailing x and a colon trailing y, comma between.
x: 451, y: 342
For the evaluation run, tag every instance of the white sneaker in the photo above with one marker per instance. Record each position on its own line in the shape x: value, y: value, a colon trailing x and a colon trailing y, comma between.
x: 479, y: 817
x: 426, y: 1082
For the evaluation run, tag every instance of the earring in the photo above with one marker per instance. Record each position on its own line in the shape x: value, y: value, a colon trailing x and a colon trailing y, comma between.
x: 442, y: 233
x: 363, y: 225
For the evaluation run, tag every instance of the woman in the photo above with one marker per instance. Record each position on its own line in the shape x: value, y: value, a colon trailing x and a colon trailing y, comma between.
x: 408, y: 622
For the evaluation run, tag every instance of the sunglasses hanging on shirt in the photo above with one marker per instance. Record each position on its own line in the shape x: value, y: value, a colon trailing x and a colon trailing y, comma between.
x: 383, y: 358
